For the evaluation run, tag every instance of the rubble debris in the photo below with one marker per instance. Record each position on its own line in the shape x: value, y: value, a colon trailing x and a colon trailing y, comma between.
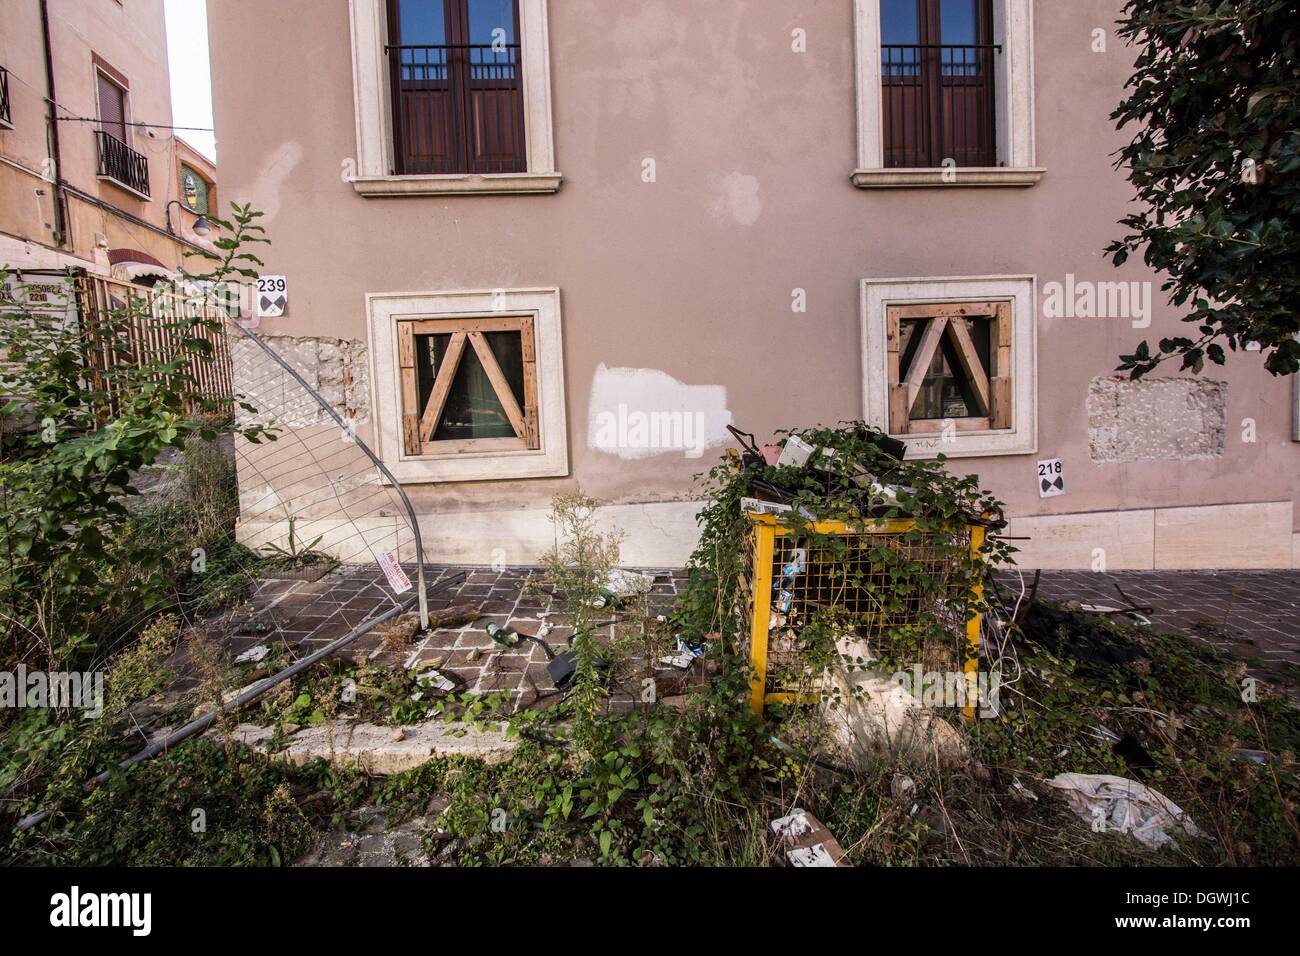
x: 435, y: 679
x: 454, y: 616
x: 807, y: 841
x: 1109, y: 803
x: 1069, y: 632
x: 254, y: 655
x: 869, y: 713
x: 374, y: 749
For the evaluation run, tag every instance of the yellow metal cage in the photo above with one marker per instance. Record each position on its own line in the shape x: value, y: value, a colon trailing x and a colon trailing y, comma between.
x: 775, y: 546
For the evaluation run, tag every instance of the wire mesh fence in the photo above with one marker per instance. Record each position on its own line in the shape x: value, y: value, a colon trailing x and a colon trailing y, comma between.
x: 280, y: 498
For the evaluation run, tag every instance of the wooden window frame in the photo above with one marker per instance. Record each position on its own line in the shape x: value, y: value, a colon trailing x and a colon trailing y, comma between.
x: 948, y: 319
x: 934, y: 87
x: 420, y: 424
x: 375, y: 175
x: 118, y: 79
x: 1020, y: 291
x: 1013, y: 29
x: 458, y: 121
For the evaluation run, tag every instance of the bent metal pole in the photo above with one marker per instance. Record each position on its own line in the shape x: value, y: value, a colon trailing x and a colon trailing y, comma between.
x: 247, y: 697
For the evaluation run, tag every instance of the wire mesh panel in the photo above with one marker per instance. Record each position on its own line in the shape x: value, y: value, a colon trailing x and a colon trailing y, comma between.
x: 833, y: 572
x: 314, y: 487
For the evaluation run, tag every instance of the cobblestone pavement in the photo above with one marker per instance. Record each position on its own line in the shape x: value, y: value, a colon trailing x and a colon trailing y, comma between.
x: 307, y: 615
x: 1252, y: 614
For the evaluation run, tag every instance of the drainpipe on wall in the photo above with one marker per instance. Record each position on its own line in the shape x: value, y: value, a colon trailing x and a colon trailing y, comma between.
x: 60, y: 219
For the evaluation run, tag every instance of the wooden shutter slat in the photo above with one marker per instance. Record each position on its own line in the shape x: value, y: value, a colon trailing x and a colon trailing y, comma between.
x: 1001, y: 406
x: 922, y: 358
x: 533, y: 438
x: 970, y: 360
x: 112, y: 107
x: 410, y: 391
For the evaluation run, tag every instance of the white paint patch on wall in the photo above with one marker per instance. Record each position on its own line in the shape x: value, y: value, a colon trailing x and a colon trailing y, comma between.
x: 739, y: 199
x: 274, y: 174
x: 642, y: 412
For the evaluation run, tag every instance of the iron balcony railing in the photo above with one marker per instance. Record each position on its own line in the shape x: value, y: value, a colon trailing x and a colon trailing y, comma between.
x: 938, y: 104
x: 120, y: 163
x: 458, y: 108
x: 4, y: 97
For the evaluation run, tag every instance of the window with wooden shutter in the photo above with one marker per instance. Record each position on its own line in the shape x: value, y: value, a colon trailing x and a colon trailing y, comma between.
x: 112, y: 107
x: 468, y: 385
x: 937, y: 68
x: 457, y: 81
x: 949, y: 362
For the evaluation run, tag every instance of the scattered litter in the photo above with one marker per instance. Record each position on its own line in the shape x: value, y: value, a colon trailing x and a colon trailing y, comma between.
x: 254, y: 655
x: 1018, y: 789
x: 503, y: 636
x: 1254, y: 756
x: 807, y: 840
x: 901, y: 786
x: 1110, y: 803
x: 1137, y: 617
x: 436, y: 679
x: 680, y: 661
x: 796, y: 453
x: 1096, y: 649
x: 815, y: 855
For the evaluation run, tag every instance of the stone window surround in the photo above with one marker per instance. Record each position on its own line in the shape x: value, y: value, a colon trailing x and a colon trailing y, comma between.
x: 372, y: 92
x: 1021, y: 292
x: 1013, y: 28
x: 385, y: 309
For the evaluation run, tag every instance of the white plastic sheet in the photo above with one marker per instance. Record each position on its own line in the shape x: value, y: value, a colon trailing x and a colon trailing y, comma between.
x: 1108, y: 803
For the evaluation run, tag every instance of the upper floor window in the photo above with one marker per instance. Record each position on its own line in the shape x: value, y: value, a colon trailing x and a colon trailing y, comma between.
x: 196, y: 192
x: 5, y: 122
x: 457, y: 87
x: 945, y: 93
x: 937, y: 62
x: 118, y: 163
x: 452, y: 96
x: 112, y: 106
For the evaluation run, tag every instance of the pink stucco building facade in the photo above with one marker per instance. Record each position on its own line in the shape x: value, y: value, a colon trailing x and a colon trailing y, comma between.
x: 645, y: 221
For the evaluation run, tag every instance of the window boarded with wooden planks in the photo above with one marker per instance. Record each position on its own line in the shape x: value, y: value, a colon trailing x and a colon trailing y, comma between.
x: 949, y: 362
x: 468, y: 385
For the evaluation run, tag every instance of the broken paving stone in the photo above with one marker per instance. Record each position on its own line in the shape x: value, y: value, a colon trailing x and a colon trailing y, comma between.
x: 372, y: 749
x: 435, y: 679
x: 254, y: 655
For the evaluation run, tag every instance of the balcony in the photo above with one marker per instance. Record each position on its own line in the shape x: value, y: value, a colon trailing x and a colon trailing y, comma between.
x: 457, y: 109
x: 122, y: 165
x: 5, y: 122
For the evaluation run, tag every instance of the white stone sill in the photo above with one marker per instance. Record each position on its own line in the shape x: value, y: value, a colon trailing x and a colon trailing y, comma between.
x: 464, y: 185
x: 965, y: 176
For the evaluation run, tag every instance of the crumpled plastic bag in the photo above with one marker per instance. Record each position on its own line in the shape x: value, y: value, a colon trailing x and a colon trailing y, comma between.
x: 1107, y: 802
